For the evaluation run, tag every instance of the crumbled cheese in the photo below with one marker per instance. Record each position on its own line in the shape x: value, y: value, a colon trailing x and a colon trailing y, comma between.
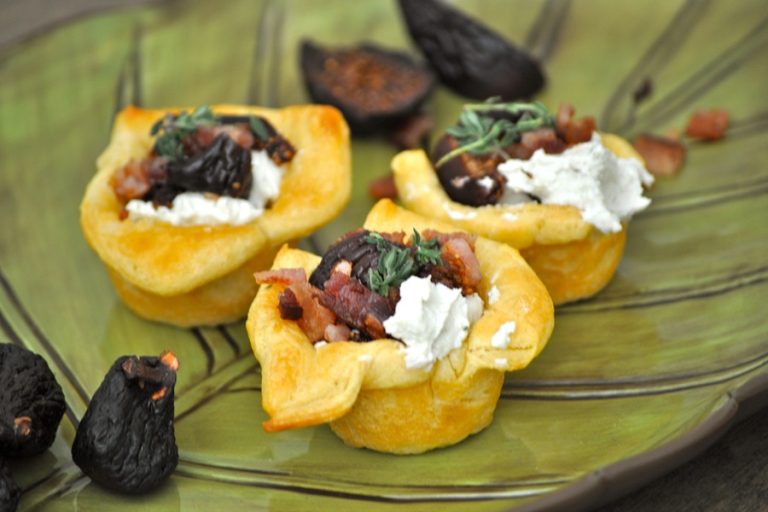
x: 457, y: 215
x: 500, y: 338
x: 493, y: 295
x: 365, y: 358
x: 431, y: 319
x: 486, y: 182
x: 500, y: 362
x: 605, y: 188
x: 195, y: 208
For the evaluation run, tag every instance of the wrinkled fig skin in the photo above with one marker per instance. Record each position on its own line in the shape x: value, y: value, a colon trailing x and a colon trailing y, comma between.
x: 363, y: 121
x: 126, y: 440
x: 31, y: 403
x: 9, y: 491
x: 224, y: 168
x: 353, y: 248
x: 468, y: 57
x: 461, y: 176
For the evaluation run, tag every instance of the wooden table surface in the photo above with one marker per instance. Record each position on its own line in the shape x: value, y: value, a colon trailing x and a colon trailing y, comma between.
x: 729, y: 476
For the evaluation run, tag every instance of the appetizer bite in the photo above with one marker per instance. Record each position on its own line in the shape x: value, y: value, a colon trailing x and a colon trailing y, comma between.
x: 399, y: 336
x: 186, y: 205
x: 550, y: 186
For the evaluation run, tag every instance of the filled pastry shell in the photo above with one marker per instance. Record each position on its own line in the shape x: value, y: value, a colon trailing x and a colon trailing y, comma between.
x: 202, y: 275
x: 573, y: 258
x: 365, y: 389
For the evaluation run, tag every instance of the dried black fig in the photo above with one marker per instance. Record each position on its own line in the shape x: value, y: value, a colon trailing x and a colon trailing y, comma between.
x: 224, y: 168
x: 351, y: 247
x: 126, y: 440
x: 31, y: 403
x: 374, y: 88
x: 469, y: 57
x: 468, y: 179
x: 9, y: 491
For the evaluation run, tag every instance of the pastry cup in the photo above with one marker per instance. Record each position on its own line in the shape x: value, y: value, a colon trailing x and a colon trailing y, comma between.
x: 202, y: 275
x: 572, y: 257
x: 365, y: 390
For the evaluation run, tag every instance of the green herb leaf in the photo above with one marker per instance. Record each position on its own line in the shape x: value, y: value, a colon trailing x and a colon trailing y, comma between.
x: 396, y: 264
x: 171, y: 130
x: 479, y: 133
x: 259, y: 128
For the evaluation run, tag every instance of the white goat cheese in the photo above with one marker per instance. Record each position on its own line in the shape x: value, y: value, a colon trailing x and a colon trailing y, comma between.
x: 605, y: 188
x: 195, y: 208
x: 431, y: 319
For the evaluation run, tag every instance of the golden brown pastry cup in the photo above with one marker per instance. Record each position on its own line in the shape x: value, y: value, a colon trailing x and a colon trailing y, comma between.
x: 365, y: 390
x: 572, y: 257
x: 203, y: 275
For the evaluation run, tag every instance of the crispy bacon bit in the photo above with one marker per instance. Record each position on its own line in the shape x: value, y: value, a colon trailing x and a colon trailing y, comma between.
x: 356, y: 305
x: 383, y: 188
x: 413, y: 132
x: 337, y: 332
x: 708, y: 125
x: 572, y: 130
x: 663, y: 156
x: 545, y: 139
x: 315, y: 317
x: 132, y: 181
x: 460, y: 265
x: 289, y: 306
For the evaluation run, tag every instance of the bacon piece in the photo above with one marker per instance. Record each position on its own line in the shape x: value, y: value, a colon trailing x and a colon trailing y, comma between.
x: 315, y: 317
x: 572, y: 130
x: 545, y: 139
x: 132, y: 181
x: 663, y: 156
x: 382, y: 188
x: 204, y: 136
x: 289, y: 306
x: 460, y: 265
x: 707, y: 125
x: 413, y: 132
x: 356, y: 305
x: 337, y: 332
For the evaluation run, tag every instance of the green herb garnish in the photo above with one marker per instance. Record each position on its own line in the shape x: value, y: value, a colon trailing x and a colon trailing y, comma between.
x: 396, y: 264
x: 479, y: 133
x: 259, y: 128
x: 171, y: 130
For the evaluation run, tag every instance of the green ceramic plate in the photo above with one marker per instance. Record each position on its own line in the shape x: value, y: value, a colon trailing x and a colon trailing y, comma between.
x: 632, y: 382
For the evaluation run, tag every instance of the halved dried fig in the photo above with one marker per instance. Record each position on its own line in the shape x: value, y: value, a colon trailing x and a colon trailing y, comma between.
x: 469, y: 57
x: 126, y: 440
x: 468, y: 179
x: 374, y: 88
x: 9, y: 491
x: 31, y: 403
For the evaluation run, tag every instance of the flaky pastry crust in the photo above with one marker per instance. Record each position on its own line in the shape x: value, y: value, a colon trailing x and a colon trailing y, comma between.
x: 196, y: 275
x: 365, y: 390
x: 571, y: 257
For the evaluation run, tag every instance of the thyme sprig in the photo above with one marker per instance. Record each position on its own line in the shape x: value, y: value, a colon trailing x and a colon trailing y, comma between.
x: 396, y: 264
x: 478, y: 132
x: 171, y: 130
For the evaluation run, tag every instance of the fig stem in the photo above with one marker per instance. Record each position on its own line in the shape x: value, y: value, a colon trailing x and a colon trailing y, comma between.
x: 135, y: 368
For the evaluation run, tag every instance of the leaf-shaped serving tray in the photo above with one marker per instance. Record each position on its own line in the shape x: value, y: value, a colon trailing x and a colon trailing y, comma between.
x: 633, y: 381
